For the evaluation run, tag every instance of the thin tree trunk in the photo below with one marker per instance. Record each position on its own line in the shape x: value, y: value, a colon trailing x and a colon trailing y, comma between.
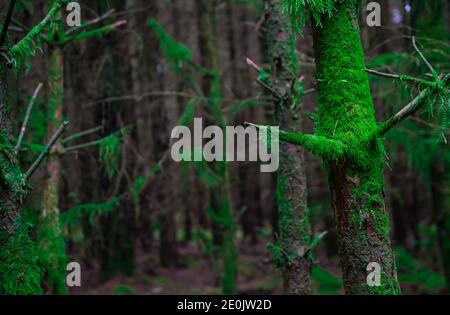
x: 294, y: 224
x: 440, y: 191
x: 220, y: 200
x: 51, y: 242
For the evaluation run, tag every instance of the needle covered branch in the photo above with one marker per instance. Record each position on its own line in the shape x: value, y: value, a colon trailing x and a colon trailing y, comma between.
x: 28, y: 45
x: 94, y: 32
x: 413, y: 107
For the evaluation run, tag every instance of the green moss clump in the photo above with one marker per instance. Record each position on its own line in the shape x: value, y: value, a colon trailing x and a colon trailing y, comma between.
x: 20, y: 274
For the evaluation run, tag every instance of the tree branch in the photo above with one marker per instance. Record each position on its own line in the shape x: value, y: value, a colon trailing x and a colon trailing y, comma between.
x: 410, y: 109
x: 82, y: 134
x: 22, y: 49
x: 23, y: 129
x: 91, y: 22
x: 422, y: 56
x: 318, y: 145
x: 94, y: 32
x: 46, y: 150
x: 8, y: 17
x: 401, y: 77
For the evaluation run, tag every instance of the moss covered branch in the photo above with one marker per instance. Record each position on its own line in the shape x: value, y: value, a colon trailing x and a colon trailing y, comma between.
x: 321, y: 146
x: 100, y: 31
x: 27, y: 46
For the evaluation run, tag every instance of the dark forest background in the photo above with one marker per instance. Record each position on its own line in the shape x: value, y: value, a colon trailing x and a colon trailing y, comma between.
x: 138, y: 223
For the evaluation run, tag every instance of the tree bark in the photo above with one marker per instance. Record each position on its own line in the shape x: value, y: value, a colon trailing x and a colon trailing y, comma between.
x: 346, y: 113
x: 294, y: 224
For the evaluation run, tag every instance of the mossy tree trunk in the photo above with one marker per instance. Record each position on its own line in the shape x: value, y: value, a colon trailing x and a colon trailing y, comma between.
x: 19, y: 273
x: 346, y: 114
x: 440, y: 192
x: 220, y: 200
x: 294, y: 227
x: 51, y: 242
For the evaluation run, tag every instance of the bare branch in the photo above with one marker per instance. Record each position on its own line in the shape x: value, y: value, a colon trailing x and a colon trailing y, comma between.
x: 91, y: 22
x: 46, y: 150
x: 82, y: 134
x: 8, y: 17
x: 414, y: 106
x: 383, y: 74
x: 270, y: 89
x: 422, y: 56
x: 23, y: 129
x: 83, y: 146
x: 401, y: 77
x: 253, y: 65
x: 95, y: 32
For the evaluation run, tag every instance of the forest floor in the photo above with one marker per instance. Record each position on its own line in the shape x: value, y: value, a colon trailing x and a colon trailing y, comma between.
x: 195, y: 275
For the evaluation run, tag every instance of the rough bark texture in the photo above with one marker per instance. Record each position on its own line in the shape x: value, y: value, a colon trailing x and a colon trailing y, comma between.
x: 19, y: 272
x: 294, y: 224
x: 346, y: 113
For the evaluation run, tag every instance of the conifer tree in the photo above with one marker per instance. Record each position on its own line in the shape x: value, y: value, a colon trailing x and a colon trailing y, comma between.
x: 349, y: 140
x: 18, y: 257
x: 294, y: 228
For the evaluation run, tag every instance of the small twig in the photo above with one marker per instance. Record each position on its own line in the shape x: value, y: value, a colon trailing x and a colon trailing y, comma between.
x: 270, y: 89
x: 252, y: 64
x: 23, y: 129
x: 91, y: 22
x: 81, y: 134
x: 383, y: 74
x: 82, y: 146
x: 8, y: 17
x: 46, y: 150
x: 309, y: 91
x: 422, y: 56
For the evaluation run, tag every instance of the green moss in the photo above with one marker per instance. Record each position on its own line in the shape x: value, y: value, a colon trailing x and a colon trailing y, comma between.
x: 32, y: 42
x: 19, y: 274
x: 52, y: 255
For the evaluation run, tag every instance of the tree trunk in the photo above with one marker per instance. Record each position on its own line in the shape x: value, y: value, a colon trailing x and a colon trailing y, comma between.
x: 51, y: 243
x: 19, y: 272
x: 440, y: 191
x: 346, y: 113
x: 220, y: 201
x: 294, y: 224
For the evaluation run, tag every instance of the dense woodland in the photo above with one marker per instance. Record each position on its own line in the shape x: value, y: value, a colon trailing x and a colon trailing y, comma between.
x: 86, y: 174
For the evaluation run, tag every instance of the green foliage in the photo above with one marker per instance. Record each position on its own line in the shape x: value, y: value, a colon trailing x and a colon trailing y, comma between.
x: 32, y: 42
x: 175, y: 53
x: 73, y: 217
x: 18, y: 263
x: 52, y: 255
x: 110, y: 152
x: 326, y: 282
x: 413, y: 272
x: 123, y: 289
x: 300, y: 9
